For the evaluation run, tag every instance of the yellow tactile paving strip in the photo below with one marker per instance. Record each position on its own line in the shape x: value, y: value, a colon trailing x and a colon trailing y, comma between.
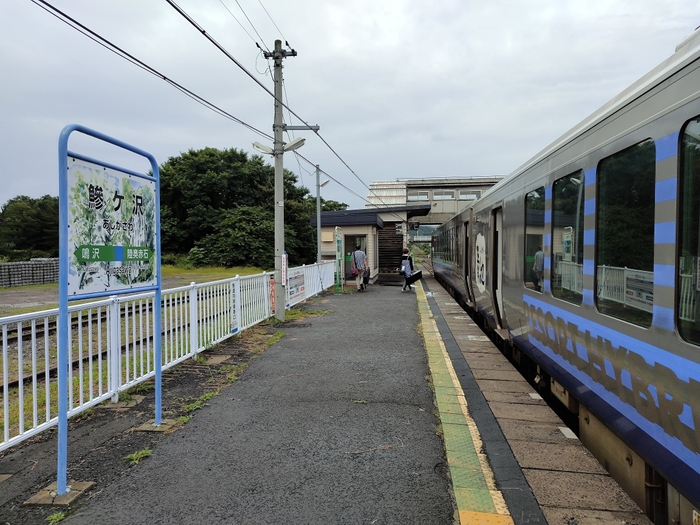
x: 478, y: 501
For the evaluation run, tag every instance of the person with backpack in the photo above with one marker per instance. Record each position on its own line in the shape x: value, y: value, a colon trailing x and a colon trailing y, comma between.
x: 406, y: 269
x: 359, y: 266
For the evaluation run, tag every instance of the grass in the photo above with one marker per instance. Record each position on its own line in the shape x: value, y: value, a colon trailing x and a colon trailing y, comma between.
x: 136, y: 457
x: 53, y: 519
x: 203, y: 275
x: 256, y: 339
x: 181, y: 276
x: 231, y: 372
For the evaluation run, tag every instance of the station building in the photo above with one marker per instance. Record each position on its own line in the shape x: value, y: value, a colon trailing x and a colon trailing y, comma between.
x: 397, y: 213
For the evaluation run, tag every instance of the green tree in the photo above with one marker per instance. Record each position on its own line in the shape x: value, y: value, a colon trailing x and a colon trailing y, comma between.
x: 218, y: 206
x: 29, y: 227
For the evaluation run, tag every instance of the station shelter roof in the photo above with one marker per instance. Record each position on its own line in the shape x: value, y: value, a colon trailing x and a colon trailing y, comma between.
x: 369, y: 216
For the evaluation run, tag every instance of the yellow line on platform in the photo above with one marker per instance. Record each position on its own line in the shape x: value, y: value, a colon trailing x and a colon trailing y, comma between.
x: 477, y: 499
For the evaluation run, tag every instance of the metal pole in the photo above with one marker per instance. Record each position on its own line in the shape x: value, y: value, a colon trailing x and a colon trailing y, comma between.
x: 318, y: 214
x: 279, y: 185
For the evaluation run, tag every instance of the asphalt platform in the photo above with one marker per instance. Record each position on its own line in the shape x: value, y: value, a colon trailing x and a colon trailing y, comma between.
x: 336, y: 423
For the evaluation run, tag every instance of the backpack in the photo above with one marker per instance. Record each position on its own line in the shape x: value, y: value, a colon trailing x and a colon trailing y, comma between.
x: 405, y: 270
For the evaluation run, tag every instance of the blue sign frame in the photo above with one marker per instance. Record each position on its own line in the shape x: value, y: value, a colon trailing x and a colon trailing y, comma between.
x: 63, y: 276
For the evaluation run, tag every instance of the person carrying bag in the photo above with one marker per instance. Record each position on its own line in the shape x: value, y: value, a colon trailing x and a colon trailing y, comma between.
x: 406, y: 269
x: 359, y: 266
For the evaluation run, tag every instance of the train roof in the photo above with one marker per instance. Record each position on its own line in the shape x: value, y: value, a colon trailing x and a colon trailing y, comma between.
x: 686, y: 52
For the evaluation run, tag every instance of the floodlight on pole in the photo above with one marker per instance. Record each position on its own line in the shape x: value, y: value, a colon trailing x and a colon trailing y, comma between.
x: 262, y: 148
x: 294, y: 144
x: 290, y: 146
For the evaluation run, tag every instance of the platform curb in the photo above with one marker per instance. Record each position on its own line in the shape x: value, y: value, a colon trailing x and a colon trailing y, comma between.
x: 473, y: 483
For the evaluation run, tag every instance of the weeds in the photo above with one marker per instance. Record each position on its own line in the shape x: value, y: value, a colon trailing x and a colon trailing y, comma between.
x: 125, y: 397
x: 142, y: 388
x: 275, y: 338
x: 56, y: 518
x: 136, y: 457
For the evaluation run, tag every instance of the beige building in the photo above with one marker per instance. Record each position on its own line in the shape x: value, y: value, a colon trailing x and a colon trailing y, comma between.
x: 380, y: 232
x: 446, y: 197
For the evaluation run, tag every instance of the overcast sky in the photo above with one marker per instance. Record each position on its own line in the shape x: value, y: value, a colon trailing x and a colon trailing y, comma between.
x: 400, y: 88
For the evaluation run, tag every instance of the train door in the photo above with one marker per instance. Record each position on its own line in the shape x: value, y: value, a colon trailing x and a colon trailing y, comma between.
x: 467, y: 262
x: 497, y: 264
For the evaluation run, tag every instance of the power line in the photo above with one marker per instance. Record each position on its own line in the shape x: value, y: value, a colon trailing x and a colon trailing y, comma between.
x: 251, y: 23
x: 396, y: 215
x: 239, y: 22
x: 281, y: 102
x: 271, y: 20
x: 63, y: 17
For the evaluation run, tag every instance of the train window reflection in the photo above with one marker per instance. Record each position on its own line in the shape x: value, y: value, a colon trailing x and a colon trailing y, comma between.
x: 567, y: 238
x: 688, y: 309
x: 625, y: 234
x: 533, y: 271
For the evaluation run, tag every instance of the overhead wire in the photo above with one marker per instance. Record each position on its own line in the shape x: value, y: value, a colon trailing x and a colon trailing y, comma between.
x: 68, y: 20
x: 194, y: 23
x: 239, y: 22
x: 271, y: 20
x: 251, y: 23
x: 63, y: 17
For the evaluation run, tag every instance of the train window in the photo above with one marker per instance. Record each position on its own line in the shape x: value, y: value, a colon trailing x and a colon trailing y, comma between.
x: 534, y: 233
x: 567, y: 238
x: 625, y: 234
x: 688, y: 234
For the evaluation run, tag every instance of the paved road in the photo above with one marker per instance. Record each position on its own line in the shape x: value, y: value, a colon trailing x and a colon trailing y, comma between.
x: 333, y: 424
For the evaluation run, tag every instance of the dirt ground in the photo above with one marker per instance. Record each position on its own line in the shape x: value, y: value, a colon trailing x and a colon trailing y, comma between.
x: 102, y: 438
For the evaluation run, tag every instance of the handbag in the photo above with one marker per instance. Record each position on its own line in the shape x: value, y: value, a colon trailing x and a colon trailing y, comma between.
x: 354, y: 271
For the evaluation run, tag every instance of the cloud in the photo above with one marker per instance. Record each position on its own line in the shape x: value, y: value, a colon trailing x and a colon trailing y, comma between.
x: 400, y: 88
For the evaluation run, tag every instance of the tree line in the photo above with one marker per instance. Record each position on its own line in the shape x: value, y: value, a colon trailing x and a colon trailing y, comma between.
x: 216, y: 209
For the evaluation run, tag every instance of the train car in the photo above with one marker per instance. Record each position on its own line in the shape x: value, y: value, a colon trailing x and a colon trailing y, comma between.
x: 610, y: 326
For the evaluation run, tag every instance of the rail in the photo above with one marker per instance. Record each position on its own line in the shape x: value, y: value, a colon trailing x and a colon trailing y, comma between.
x: 111, y: 342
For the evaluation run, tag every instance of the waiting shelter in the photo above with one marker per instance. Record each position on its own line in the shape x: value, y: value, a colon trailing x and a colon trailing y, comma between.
x: 381, y: 233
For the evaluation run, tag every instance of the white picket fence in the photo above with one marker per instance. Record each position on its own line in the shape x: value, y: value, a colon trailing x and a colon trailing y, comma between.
x: 111, y: 342
x: 612, y: 285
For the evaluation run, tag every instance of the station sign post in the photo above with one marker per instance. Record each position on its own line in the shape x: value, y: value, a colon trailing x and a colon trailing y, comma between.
x: 109, y: 244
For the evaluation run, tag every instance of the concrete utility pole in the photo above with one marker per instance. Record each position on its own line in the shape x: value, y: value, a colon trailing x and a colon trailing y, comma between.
x: 278, y: 151
x: 319, y: 185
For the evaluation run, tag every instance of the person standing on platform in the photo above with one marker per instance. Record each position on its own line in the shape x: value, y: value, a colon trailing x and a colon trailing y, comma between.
x: 359, y: 262
x: 406, y: 269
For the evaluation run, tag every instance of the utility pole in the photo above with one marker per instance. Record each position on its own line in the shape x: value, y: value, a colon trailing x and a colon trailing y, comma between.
x: 318, y: 215
x: 278, y: 151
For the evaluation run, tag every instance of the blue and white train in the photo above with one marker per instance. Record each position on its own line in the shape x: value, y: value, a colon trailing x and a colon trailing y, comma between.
x: 611, y: 326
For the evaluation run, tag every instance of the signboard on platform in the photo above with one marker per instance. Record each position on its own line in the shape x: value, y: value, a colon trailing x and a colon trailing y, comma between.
x: 111, y: 229
x: 639, y: 289
x: 295, y: 285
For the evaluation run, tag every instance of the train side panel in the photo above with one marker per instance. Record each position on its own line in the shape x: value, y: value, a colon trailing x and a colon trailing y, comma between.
x: 613, y: 321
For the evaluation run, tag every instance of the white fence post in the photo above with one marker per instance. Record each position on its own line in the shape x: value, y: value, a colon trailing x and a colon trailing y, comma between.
x: 194, y: 320
x: 248, y: 303
x: 115, y: 348
x: 236, y: 327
